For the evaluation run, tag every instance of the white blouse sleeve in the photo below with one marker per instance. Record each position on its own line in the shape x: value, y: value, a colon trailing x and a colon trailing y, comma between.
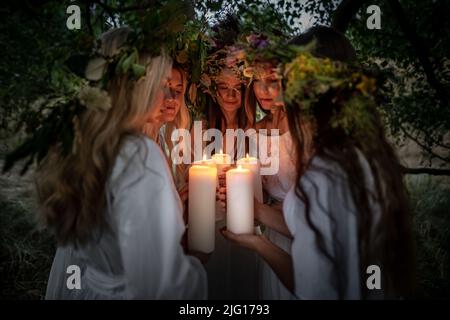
x: 149, y: 227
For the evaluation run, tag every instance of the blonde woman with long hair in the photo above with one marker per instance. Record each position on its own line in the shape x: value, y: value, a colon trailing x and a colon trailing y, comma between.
x: 112, y: 203
x: 176, y: 116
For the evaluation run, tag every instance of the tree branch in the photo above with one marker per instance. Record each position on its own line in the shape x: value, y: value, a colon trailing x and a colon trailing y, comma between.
x: 146, y: 5
x: 423, y: 146
x: 344, y: 13
x: 431, y: 171
x: 107, y: 10
x: 421, y: 50
x: 88, y: 18
x: 347, y: 9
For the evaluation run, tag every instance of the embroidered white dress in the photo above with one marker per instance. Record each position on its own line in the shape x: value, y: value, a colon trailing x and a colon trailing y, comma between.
x: 277, y: 187
x: 139, y: 256
x: 333, y: 213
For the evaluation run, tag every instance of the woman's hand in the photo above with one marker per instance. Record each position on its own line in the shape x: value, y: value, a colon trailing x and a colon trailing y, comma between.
x: 221, y: 192
x: 272, y: 217
x: 262, y: 211
x: 250, y: 241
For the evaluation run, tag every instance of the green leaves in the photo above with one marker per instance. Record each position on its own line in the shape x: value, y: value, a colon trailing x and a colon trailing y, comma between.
x: 129, y: 61
x: 138, y: 70
x: 54, y: 130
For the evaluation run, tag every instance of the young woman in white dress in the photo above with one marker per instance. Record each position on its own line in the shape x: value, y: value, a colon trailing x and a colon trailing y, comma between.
x: 348, y: 209
x: 112, y: 203
x: 232, y: 271
x: 265, y: 91
x: 176, y: 116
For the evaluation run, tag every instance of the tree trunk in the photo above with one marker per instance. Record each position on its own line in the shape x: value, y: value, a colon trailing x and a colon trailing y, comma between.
x: 344, y: 13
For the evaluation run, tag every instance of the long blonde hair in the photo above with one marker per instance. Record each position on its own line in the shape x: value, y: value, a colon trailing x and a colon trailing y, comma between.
x: 182, y: 121
x: 72, y: 188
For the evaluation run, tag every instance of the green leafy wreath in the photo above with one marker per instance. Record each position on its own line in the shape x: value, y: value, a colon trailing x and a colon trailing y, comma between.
x: 54, y: 122
x: 308, y: 78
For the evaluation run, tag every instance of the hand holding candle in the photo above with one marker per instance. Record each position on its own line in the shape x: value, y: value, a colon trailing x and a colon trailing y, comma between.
x: 222, y: 188
x: 222, y: 161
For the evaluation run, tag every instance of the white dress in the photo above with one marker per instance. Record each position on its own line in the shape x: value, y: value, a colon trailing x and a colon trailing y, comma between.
x: 333, y: 212
x: 139, y: 256
x: 232, y: 270
x: 277, y: 187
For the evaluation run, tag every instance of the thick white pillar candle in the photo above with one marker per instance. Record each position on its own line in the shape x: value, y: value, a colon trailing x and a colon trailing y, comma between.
x: 202, y: 207
x: 240, y: 201
x: 253, y: 165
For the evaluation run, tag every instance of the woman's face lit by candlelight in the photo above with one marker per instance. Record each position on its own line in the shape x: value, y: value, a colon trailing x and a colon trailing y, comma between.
x: 229, y: 90
x: 267, y: 86
x: 174, y: 99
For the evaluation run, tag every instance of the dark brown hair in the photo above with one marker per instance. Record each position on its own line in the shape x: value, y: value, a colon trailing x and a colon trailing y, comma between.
x: 329, y: 43
x: 214, y: 114
x: 389, y: 242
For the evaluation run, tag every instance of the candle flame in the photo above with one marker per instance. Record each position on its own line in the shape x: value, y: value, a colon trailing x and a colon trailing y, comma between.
x: 221, y: 150
x: 247, y: 156
x: 239, y: 167
x: 204, y: 157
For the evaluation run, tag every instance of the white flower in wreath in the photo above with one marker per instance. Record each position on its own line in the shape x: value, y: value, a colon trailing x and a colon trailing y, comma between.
x: 96, y: 68
x: 94, y: 98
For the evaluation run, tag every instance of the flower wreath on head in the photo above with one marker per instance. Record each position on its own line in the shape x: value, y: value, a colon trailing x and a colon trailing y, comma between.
x: 227, y: 57
x: 55, y: 122
x: 306, y: 78
x: 261, y: 49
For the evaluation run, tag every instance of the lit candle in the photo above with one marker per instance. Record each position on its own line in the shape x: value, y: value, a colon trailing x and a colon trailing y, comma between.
x: 206, y: 162
x: 222, y: 160
x: 240, y: 201
x: 202, y: 206
x: 253, y: 165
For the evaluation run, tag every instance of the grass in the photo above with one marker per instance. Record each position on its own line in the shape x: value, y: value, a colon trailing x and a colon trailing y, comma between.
x: 26, y: 252
x: 430, y: 198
